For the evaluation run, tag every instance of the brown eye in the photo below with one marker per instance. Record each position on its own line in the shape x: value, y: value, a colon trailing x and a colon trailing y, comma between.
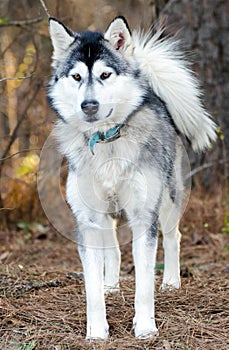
x: 105, y: 75
x: 76, y: 77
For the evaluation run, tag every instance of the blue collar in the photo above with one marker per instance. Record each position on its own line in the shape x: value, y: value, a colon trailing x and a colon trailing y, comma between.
x: 108, y: 136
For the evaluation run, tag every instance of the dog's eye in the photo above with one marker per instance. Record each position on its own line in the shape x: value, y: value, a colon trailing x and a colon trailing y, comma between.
x: 105, y: 75
x: 76, y: 77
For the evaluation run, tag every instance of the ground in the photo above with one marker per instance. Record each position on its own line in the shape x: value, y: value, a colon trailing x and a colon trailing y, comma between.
x: 42, y: 297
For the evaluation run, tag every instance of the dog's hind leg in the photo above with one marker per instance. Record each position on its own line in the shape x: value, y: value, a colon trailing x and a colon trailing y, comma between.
x: 112, y: 258
x: 169, y: 220
x: 171, y: 244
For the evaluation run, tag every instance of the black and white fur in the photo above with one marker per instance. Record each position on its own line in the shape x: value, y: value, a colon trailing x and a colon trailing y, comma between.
x: 143, y: 83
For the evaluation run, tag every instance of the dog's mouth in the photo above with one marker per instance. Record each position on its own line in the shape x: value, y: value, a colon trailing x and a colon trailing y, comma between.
x: 95, y: 117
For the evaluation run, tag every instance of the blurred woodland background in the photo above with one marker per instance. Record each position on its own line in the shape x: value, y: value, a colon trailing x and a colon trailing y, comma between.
x: 26, y: 120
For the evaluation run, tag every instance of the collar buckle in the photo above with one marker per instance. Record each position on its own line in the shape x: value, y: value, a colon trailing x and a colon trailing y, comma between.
x: 108, y: 136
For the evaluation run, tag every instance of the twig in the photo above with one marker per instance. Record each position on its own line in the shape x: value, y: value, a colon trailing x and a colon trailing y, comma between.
x: 205, y: 166
x: 22, y: 22
x: 45, y: 8
x: 19, y: 289
x: 14, y: 133
x: 15, y: 39
x: 1, y: 209
x: 24, y: 150
x: 19, y: 78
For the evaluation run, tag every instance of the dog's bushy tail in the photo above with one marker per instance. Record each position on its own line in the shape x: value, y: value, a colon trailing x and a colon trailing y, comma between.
x: 172, y: 80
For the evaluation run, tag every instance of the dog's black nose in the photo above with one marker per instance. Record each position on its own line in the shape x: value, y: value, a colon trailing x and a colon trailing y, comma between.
x: 90, y: 107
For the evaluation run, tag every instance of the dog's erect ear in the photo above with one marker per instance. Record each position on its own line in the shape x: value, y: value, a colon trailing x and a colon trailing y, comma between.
x: 61, y: 36
x: 118, y: 34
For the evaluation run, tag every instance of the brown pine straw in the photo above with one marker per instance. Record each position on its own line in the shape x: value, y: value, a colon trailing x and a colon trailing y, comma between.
x: 54, y: 317
x: 42, y: 297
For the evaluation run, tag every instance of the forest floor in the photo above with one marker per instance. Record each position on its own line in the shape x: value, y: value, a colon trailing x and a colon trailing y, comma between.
x: 42, y: 297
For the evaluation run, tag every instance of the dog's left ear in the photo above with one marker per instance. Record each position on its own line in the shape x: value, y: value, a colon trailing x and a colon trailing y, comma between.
x: 119, y: 35
x: 62, y: 37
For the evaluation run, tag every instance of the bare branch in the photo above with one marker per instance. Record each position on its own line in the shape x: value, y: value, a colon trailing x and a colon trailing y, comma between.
x: 1, y: 209
x: 22, y: 22
x: 205, y: 166
x: 15, y: 39
x: 20, y: 120
x: 19, y: 152
x: 18, y: 78
x: 45, y: 8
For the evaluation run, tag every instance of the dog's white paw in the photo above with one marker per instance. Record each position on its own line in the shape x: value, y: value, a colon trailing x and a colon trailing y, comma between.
x: 96, y: 332
x: 111, y: 289
x: 170, y: 285
x: 148, y: 334
x: 145, y: 330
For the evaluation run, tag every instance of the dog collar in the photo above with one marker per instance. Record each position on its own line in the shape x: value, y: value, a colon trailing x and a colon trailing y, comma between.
x: 108, y: 136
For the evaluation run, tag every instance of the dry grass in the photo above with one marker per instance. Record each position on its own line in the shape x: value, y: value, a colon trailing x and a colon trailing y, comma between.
x: 42, y: 303
x: 53, y: 317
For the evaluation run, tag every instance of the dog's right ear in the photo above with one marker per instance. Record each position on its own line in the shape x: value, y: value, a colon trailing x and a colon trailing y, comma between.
x: 119, y: 35
x: 62, y: 37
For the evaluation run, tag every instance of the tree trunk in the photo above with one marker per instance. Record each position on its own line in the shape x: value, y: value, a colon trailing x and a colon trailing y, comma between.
x: 204, y: 26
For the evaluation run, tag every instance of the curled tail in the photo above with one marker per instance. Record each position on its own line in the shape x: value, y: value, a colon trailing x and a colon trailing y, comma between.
x: 173, y: 81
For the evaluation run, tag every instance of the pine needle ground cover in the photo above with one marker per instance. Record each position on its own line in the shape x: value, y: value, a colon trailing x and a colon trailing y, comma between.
x: 42, y: 296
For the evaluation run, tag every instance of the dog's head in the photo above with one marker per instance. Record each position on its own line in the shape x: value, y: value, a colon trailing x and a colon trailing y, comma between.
x: 94, y: 74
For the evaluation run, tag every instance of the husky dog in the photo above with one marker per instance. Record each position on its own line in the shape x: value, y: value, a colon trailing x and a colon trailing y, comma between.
x: 123, y: 100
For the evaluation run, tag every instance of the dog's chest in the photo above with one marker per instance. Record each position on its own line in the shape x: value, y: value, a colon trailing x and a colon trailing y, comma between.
x: 111, y: 173
x: 113, y: 164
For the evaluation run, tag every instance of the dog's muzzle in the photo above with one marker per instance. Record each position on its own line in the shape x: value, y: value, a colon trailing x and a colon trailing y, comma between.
x: 90, y: 108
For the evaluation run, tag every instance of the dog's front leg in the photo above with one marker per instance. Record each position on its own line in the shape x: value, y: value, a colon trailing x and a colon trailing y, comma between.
x: 92, y: 257
x: 142, y: 211
x: 144, y: 253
